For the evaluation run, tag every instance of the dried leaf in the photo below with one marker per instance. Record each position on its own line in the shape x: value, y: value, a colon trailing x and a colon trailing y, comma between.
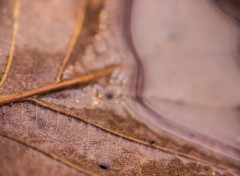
x: 63, y: 94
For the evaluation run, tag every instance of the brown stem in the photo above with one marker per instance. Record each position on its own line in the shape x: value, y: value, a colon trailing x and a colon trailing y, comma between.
x: 89, y: 77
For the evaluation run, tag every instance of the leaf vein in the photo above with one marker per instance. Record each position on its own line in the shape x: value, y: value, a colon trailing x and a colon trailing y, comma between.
x: 16, y: 11
x: 52, y: 156
x: 61, y: 110
x: 73, y: 41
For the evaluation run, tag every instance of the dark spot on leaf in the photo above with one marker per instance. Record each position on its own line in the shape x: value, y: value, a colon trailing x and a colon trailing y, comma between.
x: 109, y: 96
x: 152, y: 142
x: 103, y: 166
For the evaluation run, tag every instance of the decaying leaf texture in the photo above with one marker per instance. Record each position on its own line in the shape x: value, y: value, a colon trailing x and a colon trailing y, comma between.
x: 21, y: 165
x: 84, y: 128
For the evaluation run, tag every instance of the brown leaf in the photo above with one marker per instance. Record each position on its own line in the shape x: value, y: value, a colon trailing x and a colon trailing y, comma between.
x: 62, y: 98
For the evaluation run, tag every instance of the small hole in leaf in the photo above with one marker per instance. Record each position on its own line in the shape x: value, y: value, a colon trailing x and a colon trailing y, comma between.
x: 103, y: 166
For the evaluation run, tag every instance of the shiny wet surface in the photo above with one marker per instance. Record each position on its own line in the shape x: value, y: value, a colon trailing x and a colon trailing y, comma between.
x: 191, y: 76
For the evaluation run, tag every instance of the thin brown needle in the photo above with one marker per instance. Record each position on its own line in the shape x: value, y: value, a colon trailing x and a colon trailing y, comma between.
x: 89, y: 77
x: 73, y: 41
x: 14, y: 36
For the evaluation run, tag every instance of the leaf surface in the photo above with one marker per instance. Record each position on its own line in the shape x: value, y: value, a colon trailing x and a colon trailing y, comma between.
x: 49, y: 126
